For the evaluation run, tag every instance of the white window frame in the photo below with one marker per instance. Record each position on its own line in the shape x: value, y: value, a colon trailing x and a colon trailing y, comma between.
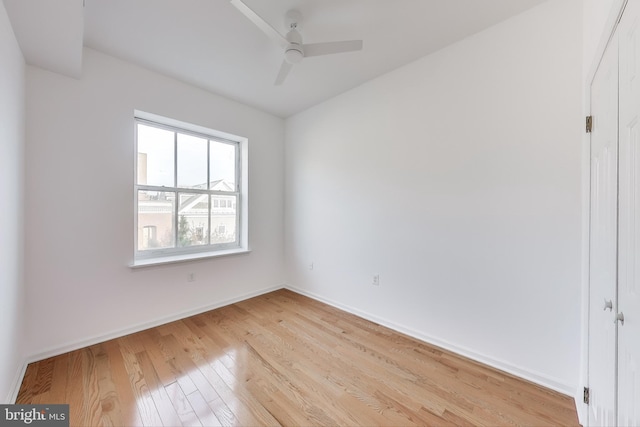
x: 177, y: 254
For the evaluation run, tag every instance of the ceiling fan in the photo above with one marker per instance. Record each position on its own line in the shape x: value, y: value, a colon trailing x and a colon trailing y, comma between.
x: 294, y: 49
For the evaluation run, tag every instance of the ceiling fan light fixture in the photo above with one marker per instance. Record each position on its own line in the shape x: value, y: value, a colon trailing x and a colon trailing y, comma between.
x: 293, y: 54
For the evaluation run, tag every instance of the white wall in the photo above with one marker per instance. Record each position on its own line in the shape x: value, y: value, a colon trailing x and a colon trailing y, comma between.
x: 12, y: 123
x: 79, y: 205
x: 457, y: 180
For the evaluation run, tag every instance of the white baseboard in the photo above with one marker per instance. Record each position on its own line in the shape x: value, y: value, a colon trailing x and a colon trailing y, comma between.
x: 527, y: 374
x: 55, y: 351
x: 16, y: 383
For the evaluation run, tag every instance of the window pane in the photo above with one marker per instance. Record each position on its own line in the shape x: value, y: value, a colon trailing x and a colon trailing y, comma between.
x: 155, y: 156
x: 223, y: 166
x: 155, y: 220
x: 192, y: 162
x: 223, y: 219
x: 193, y: 219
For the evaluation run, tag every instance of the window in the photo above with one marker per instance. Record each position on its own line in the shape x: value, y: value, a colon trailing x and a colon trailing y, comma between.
x: 189, y: 194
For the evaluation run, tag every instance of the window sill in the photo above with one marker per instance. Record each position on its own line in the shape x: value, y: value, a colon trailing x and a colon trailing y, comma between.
x: 148, y: 262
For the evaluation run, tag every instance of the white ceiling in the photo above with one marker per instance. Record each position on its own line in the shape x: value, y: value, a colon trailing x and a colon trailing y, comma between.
x: 208, y: 43
x: 49, y: 33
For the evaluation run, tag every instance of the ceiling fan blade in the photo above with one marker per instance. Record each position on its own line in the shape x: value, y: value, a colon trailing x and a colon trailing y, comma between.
x: 284, y: 71
x: 260, y: 23
x: 316, y: 49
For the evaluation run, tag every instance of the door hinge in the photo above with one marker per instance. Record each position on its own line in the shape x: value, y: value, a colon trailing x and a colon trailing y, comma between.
x: 585, y: 395
x: 589, y: 124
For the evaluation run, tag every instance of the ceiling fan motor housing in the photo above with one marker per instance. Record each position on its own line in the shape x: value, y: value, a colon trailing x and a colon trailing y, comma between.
x: 294, y: 52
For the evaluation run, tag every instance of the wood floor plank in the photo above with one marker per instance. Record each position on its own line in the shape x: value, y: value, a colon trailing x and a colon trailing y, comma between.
x: 159, y: 395
x: 130, y: 416
x: 152, y: 345
x: 75, y: 395
x: 186, y: 365
x: 110, y: 408
x: 284, y: 359
x: 203, y: 411
x: 142, y: 395
x: 168, y: 347
x: 27, y: 388
x: 223, y: 412
x: 59, y: 379
x: 187, y: 415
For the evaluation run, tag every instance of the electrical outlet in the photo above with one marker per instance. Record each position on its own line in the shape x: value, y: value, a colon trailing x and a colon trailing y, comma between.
x: 376, y: 280
x: 191, y: 277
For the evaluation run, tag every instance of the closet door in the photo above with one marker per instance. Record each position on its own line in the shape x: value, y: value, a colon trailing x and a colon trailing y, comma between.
x: 629, y: 218
x: 603, y: 240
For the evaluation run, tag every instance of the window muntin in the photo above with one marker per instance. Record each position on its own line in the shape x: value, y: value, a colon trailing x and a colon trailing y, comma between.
x: 182, y: 180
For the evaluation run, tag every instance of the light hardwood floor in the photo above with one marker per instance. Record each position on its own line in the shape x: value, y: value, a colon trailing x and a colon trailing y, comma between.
x: 283, y: 359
